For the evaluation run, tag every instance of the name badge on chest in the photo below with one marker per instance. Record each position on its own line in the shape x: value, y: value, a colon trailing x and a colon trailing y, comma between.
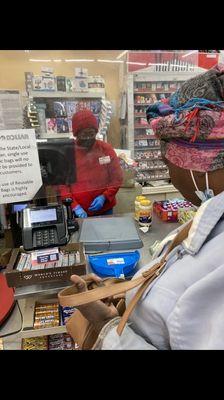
x: 104, y: 160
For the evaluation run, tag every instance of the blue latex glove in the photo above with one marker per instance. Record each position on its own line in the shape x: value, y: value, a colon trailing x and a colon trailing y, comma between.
x: 79, y: 212
x: 97, y: 203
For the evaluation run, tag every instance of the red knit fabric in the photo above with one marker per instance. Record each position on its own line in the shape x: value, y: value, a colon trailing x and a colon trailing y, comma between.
x: 82, y: 120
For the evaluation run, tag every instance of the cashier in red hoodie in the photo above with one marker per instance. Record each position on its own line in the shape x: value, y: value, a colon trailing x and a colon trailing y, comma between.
x: 99, y: 175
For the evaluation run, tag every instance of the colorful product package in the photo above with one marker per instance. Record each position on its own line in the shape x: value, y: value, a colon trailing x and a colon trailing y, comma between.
x: 62, y: 125
x: 51, y: 125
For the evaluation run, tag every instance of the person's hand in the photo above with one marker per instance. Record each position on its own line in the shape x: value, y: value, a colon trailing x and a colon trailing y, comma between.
x: 79, y: 212
x: 97, y: 312
x: 97, y: 203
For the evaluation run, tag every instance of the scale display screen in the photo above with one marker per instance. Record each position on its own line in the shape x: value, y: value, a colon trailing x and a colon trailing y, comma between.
x: 46, y: 215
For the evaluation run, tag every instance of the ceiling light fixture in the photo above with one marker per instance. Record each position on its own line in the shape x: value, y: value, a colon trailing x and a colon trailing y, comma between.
x: 121, y: 54
x: 38, y: 60
x: 79, y: 60
x: 111, y: 61
x: 136, y: 63
x: 57, y: 60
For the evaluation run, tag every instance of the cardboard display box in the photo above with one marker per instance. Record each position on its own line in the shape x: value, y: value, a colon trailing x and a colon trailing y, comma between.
x: 17, y: 278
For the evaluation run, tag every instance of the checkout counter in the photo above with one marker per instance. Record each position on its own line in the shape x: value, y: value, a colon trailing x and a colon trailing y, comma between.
x: 28, y: 295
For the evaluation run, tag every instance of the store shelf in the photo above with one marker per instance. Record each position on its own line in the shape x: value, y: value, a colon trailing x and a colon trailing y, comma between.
x: 142, y: 127
x: 146, y: 137
x: 148, y: 159
x: 43, y: 332
x: 85, y: 95
x: 159, y: 189
x: 142, y: 104
x: 147, y: 148
x: 151, y: 169
x: 156, y: 92
x: 151, y: 179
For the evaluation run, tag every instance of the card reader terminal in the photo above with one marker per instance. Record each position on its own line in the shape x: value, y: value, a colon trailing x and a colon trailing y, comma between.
x: 44, y: 227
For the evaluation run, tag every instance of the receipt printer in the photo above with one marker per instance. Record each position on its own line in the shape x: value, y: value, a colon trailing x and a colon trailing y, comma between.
x: 44, y: 227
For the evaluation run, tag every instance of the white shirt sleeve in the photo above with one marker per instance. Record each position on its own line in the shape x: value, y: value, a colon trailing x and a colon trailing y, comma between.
x: 109, y: 339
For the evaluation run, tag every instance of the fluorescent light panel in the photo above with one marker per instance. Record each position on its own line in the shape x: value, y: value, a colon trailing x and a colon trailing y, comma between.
x: 79, y: 60
x: 38, y: 60
x: 135, y: 63
x: 111, y: 61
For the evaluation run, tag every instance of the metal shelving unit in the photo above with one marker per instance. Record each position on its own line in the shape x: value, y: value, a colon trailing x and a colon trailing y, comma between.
x: 75, y: 95
x: 136, y: 109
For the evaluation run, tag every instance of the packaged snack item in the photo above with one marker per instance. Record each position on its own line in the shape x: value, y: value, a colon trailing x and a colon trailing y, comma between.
x: 46, y: 315
x: 35, y: 343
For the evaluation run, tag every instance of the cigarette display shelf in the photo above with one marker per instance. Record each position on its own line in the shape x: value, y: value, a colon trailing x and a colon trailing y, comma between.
x: 148, y: 148
x: 145, y: 137
x: 150, y: 169
x: 149, y: 159
x: 153, y: 91
x: 141, y: 127
x: 56, y: 94
x: 151, y: 179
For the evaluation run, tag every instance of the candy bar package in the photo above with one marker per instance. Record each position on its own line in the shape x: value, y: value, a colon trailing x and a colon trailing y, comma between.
x: 35, y: 343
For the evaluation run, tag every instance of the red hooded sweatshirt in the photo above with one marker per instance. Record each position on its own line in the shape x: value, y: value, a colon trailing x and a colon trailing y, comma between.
x: 98, y: 172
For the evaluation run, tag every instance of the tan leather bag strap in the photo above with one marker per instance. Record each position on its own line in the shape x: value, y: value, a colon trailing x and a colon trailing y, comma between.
x: 70, y: 297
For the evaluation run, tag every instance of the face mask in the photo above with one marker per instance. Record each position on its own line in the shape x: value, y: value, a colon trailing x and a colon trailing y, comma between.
x: 86, y: 143
x: 207, y: 194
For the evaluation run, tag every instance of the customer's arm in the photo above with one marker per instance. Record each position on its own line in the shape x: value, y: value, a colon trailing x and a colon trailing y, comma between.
x: 105, y: 320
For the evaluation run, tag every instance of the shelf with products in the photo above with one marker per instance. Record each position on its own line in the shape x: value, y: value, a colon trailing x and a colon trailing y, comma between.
x: 151, y: 179
x: 142, y: 137
x: 44, y: 317
x: 144, y: 89
x: 153, y: 91
x: 141, y: 127
x: 55, y: 110
x: 58, y: 94
x: 57, y: 98
x: 149, y: 169
x: 142, y: 104
x: 147, y: 148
